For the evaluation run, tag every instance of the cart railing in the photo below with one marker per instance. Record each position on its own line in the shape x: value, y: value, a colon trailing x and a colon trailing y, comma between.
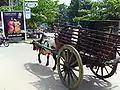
x: 92, y: 44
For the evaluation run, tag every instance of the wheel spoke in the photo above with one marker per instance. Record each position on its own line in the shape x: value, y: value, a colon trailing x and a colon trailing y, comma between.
x: 62, y: 59
x: 75, y: 69
x: 97, y: 69
x: 64, y: 56
x: 68, y: 78
x: 64, y: 77
x: 61, y: 64
x: 74, y: 74
x: 67, y: 55
x: 106, y: 70
x: 71, y: 55
x: 110, y: 66
x: 62, y: 70
x: 73, y: 63
x: 71, y: 75
x: 102, y: 71
x: 118, y: 52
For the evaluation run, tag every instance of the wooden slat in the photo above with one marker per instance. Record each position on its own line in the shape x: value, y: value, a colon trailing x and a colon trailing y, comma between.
x: 95, y: 43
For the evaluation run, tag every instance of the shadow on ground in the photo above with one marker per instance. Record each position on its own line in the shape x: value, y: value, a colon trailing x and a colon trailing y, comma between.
x: 49, y: 80
x: 90, y: 82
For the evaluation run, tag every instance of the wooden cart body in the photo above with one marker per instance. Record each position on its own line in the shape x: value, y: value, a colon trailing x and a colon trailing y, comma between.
x: 97, y: 50
x: 91, y: 44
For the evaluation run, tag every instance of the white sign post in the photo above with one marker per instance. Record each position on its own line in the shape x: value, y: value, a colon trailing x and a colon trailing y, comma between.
x: 28, y: 4
x: 31, y: 4
x: 27, y: 13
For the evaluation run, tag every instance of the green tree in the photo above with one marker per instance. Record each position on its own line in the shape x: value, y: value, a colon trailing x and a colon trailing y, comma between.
x: 111, y: 9
x: 46, y: 11
x: 17, y: 5
x: 73, y: 10
x: 62, y: 16
x: 101, y: 10
x: 84, y: 9
x: 78, y: 9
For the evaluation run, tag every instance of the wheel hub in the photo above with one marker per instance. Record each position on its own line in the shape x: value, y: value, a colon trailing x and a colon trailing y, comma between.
x: 66, y: 67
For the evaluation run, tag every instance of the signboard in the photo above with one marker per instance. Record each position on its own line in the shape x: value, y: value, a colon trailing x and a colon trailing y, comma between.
x: 27, y: 13
x: 14, y: 25
x: 16, y: 36
x: 31, y: 4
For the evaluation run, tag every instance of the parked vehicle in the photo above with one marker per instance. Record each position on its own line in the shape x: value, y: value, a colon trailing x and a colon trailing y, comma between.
x: 4, y: 41
x: 30, y: 33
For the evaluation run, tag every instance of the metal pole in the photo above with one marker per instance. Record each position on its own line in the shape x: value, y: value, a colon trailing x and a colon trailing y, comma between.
x: 12, y: 4
x: 9, y: 5
x: 24, y: 19
x: 2, y: 24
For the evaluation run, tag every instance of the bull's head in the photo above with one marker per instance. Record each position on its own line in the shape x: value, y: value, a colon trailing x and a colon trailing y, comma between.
x: 40, y: 49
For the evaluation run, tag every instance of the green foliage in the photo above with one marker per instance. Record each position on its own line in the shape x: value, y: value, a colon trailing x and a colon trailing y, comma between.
x: 46, y: 11
x: 4, y: 8
x: 111, y: 9
x: 79, y: 9
x: 95, y: 10
x: 18, y: 5
x: 62, y: 16
x: 73, y: 10
x: 102, y: 10
x: 49, y: 11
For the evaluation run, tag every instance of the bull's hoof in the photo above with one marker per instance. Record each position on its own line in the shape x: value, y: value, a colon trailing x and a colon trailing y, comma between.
x: 47, y: 64
x: 53, y: 68
x: 39, y: 61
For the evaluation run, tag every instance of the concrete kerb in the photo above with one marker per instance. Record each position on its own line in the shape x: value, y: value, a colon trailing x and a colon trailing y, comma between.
x: 22, y: 41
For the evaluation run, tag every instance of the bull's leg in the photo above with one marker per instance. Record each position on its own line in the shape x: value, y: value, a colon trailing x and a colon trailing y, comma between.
x: 48, y: 54
x: 54, y: 57
x: 47, y: 60
x: 39, y: 60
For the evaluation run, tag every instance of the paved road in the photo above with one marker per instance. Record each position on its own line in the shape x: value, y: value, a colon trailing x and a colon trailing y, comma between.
x: 19, y: 70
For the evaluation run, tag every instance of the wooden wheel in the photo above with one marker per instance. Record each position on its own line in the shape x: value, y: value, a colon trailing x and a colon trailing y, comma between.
x: 70, y: 68
x: 104, y: 71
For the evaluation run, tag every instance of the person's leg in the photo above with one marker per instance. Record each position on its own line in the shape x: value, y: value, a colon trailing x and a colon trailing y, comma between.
x: 39, y: 58
x: 47, y: 60
x: 55, y: 59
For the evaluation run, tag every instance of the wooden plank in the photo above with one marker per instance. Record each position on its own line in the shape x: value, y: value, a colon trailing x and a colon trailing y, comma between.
x: 95, y: 43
